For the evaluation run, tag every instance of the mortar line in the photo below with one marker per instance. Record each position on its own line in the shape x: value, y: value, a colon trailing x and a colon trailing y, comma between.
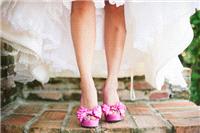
x: 35, y: 118
x: 157, y: 113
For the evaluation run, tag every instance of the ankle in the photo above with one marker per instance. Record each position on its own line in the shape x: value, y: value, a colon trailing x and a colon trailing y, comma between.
x: 110, y: 98
x: 112, y: 77
x: 88, y: 91
x: 86, y: 78
x: 86, y: 83
x: 89, y: 98
x: 111, y: 84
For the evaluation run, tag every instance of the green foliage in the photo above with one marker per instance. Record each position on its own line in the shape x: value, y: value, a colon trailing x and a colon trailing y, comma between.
x: 191, y: 58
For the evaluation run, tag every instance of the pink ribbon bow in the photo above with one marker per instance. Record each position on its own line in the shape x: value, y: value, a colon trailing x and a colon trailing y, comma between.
x: 117, y: 107
x: 83, y: 112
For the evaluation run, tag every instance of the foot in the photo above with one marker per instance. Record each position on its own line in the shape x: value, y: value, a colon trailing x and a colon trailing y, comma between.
x: 112, y: 108
x: 89, y: 112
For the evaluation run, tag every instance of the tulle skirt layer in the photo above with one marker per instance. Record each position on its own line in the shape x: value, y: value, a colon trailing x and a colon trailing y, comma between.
x: 40, y: 31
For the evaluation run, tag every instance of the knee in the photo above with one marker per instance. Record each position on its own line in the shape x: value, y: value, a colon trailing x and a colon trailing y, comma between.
x: 115, y: 16
x: 81, y: 7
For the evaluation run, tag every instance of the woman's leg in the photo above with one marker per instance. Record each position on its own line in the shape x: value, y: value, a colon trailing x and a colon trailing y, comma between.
x: 83, y: 34
x: 115, y: 33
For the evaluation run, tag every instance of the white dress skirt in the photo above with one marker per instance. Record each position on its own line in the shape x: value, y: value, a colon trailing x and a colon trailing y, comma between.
x: 39, y: 30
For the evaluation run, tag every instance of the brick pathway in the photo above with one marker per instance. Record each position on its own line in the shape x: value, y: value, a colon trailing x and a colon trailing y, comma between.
x: 179, y: 116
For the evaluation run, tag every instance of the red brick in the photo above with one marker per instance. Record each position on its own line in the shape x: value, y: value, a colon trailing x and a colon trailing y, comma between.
x: 14, y: 123
x: 125, y: 126
x: 190, y: 125
x: 151, y: 123
x: 178, y: 109
x: 51, y: 95
x: 142, y: 85
x: 58, y: 106
x: 192, y: 129
x: 157, y: 95
x: 148, y: 121
x: 49, y: 121
x: 170, y: 104
x: 138, y: 109
x: 16, y: 120
x: 124, y: 94
x: 29, y: 108
x: 186, y: 114
x: 138, y: 104
x: 46, y: 127
x: 53, y: 116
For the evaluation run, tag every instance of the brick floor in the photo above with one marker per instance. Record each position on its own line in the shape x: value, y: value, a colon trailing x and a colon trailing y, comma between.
x: 29, y: 108
x: 180, y: 116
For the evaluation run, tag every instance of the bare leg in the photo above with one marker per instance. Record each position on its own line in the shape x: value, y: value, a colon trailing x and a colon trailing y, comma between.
x: 115, y: 33
x: 83, y: 33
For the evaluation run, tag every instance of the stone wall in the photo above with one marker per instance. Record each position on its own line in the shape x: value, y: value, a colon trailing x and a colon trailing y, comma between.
x: 63, y: 89
x: 8, y: 87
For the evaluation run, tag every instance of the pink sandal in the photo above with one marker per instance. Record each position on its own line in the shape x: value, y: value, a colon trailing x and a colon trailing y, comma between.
x: 83, y: 113
x: 119, y: 115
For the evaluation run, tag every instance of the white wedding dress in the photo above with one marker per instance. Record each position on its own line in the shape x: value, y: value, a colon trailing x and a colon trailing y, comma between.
x: 40, y: 31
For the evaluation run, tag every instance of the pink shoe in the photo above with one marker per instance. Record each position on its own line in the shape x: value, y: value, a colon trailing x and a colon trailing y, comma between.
x: 119, y: 114
x: 83, y: 113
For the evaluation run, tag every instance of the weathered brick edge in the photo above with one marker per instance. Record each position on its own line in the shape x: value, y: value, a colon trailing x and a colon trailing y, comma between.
x: 60, y: 117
